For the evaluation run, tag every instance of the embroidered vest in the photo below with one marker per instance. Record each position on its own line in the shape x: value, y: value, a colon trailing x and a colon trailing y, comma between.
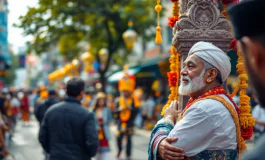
x: 216, y: 155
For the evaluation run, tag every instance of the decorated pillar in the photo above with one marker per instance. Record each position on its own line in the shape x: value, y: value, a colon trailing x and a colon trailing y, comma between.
x: 200, y: 20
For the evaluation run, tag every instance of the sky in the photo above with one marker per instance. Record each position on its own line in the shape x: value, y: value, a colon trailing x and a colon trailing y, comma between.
x: 17, y: 8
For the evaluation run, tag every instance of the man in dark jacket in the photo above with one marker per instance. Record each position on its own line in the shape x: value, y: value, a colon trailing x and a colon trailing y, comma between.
x: 248, y: 21
x: 68, y: 130
x: 41, y: 109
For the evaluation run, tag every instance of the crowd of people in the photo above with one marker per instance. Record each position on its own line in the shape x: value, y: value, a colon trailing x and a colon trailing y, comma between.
x: 75, y: 123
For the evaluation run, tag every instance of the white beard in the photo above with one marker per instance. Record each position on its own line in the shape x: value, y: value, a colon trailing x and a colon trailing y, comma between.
x: 193, y: 85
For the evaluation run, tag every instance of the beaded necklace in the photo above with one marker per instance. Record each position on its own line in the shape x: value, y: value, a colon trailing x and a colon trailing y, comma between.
x: 214, y: 91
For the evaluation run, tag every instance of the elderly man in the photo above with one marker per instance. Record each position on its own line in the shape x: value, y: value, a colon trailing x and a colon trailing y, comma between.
x: 206, y: 127
x: 248, y: 21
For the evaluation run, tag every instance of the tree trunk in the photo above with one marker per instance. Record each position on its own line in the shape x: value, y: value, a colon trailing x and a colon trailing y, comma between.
x: 103, y: 81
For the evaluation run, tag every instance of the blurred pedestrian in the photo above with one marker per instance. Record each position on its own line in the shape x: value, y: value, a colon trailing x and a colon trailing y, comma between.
x: 15, y: 103
x: 127, y: 107
x: 68, y: 130
x: 3, y: 148
x: 3, y: 123
x: 259, y: 114
x: 24, y: 108
x: 103, y: 118
x: 150, y: 111
x: 86, y: 102
x: 61, y: 94
x: 42, y: 108
x: 248, y: 21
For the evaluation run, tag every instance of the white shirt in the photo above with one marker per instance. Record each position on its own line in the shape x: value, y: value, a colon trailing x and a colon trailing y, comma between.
x: 259, y: 114
x: 206, y: 125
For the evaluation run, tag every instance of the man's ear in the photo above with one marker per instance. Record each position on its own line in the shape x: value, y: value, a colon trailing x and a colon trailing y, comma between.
x: 254, y: 53
x: 211, y: 75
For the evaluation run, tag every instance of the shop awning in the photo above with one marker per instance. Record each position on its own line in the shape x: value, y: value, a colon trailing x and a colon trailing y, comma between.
x: 115, y: 77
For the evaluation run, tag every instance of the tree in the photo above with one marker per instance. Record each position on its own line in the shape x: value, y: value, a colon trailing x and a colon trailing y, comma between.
x: 10, y: 78
x: 102, y: 23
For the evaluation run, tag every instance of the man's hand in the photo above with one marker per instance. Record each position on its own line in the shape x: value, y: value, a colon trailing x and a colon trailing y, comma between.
x: 168, y: 151
x: 172, y: 111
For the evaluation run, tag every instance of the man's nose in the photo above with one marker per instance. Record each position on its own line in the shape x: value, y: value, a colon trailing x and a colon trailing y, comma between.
x: 184, y: 72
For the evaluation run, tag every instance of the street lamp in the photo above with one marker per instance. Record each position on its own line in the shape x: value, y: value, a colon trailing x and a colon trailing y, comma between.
x: 75, y: 63
x: 87, y: 57
x: 129, y: 36
x: 103, y: 55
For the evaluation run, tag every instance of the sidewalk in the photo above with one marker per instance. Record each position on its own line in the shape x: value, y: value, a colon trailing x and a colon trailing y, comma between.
x: 25, y: 145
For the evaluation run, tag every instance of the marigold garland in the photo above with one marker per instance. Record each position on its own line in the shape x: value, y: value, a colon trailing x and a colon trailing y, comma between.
x: 173, y: 77
x: 246, y: 120
x: 172, y: 21
x: 175, y: 14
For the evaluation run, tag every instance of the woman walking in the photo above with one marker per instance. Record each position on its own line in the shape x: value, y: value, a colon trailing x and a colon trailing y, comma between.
x: 103, y: 118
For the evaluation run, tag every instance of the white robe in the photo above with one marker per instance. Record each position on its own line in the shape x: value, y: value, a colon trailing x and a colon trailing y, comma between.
x: 206, y: 125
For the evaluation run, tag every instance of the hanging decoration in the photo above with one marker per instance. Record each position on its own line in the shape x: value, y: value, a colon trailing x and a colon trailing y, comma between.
x: 247, y: 122
x: 158, y: 9
x: 173, y: 75
x: 175, y: 14
x: 173, y: 78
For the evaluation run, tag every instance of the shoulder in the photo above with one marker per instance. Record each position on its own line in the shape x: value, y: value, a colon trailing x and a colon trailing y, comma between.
x: 54, y: 108
x: 211, y: 105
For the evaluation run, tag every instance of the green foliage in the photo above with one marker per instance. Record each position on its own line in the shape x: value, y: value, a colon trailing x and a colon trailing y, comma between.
x: 12, y: 71
x: 65, y: 23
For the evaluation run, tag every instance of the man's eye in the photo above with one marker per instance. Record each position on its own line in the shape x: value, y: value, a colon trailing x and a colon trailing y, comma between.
x: 190, y: 66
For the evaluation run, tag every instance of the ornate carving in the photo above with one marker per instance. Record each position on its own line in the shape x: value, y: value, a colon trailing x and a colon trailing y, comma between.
x: 185, y: 45
x: 183, y: 6
x: 201, y: 21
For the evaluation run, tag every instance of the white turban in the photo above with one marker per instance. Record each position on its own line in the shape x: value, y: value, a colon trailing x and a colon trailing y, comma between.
x: 213, y: 55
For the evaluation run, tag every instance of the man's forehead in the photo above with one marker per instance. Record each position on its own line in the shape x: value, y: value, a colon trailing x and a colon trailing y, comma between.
x: 193, y: 58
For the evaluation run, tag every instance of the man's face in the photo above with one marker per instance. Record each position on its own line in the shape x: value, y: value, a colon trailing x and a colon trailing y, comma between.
x: 192, y: 76
x: 251, y: 52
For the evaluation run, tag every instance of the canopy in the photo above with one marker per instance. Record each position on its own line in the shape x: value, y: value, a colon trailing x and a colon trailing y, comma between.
x: 115, y: 77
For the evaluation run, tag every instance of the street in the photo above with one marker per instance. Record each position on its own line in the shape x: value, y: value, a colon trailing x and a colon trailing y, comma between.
x: 25, y: 145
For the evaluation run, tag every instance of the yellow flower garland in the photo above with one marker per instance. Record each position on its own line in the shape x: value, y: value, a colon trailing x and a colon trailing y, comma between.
x: 246, y: 119
x: 174, y: 67
x: 175, y: 8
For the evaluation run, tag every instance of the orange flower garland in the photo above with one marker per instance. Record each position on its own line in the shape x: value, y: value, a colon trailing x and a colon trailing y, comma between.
x: 175, y: 14
x: 246, y: 120
x: 173, y: 77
